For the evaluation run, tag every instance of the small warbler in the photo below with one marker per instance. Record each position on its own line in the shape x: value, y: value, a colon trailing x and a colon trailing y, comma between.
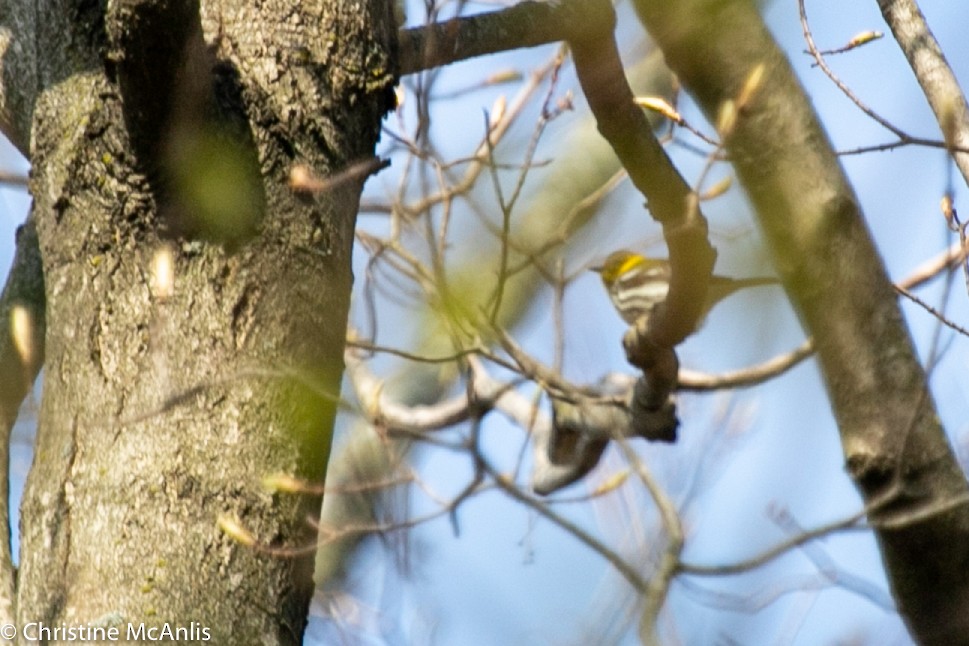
x: 636, y: 284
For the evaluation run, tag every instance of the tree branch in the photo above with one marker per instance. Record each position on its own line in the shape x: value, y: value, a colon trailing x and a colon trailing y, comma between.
x: 21, y: 356
x: 19, y: 71
x: 890, y: 431
x: 933, y: 73
x: 588, y: 27
x: 526, y: 24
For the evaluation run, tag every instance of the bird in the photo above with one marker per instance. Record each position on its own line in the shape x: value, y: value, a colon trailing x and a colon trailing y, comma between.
x: 636, y: 284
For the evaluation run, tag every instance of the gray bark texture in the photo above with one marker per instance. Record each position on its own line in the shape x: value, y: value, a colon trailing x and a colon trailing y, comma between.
x: 165, y: 129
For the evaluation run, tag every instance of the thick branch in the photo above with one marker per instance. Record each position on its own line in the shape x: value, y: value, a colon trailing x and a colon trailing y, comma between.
x: 21, y: 356
x: 588, y: 28
x: 625, y: 127
x: 649, y: 344
x: 933, y: 73
x: 16, y: 79
x: 28, y: 67
x: 526, y: 24
x: 890, y: 432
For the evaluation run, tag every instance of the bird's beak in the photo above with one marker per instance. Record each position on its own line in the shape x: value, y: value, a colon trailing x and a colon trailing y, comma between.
x: 598, y: 268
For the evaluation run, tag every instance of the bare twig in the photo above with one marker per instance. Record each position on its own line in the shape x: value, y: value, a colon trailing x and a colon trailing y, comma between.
x: 942, y: 318
x: 669, y: 563
x: 691, y: 380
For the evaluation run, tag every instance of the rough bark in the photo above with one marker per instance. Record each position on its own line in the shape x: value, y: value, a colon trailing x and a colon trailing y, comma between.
x: 161, y: 412
x: 894, y: 445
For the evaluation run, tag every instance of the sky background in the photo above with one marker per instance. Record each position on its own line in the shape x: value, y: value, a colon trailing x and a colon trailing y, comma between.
x: 509, y: 577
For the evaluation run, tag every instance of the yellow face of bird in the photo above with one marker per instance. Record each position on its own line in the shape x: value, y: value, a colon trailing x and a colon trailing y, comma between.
x: 618, y: 263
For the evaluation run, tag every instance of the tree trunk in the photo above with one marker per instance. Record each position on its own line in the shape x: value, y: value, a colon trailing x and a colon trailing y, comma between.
x: 165, y: 403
